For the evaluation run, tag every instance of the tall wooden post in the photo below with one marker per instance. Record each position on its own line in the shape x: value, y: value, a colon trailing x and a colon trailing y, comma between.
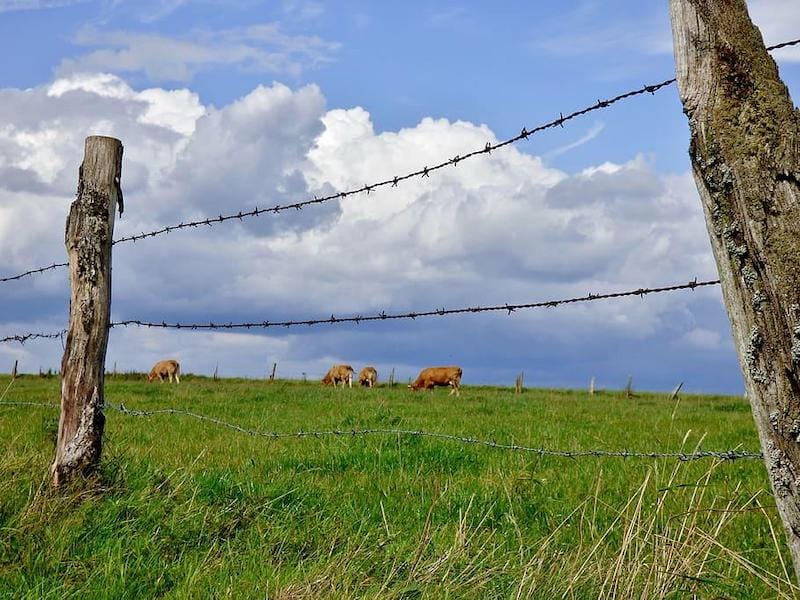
x: 90, y: 228
x: 745, y: 151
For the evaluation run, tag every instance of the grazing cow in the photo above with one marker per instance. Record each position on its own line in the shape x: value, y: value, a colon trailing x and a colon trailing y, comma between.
x: 441, y: 376
x: 368, y: 376
x: 337, y: 373
x: 165, y: 368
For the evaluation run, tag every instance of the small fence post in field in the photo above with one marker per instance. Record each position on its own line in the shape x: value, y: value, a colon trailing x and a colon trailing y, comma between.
x: 629, y: 387
x: 89, y: 233
x: 272, y: 375
x: 115, y: 369
x: 14, y: 369
x: 216, y: 372
x: 676, y: 391
x: 305, y: 377
x: 519, y: 383
x: 391, y: 378
x: 591, y: 386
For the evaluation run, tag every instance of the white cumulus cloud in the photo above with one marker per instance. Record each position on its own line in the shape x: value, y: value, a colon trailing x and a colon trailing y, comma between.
x: 498, y: 228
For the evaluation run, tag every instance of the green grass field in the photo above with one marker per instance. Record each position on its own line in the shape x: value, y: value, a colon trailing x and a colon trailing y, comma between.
x: 187, y: 509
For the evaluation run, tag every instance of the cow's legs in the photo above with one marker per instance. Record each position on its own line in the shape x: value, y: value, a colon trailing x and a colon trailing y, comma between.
x: 177, y: 378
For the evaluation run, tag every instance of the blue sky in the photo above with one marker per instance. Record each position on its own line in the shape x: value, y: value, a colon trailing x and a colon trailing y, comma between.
x: 225, y: 105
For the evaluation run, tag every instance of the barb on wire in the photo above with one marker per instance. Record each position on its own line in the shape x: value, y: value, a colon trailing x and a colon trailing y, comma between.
x: 22, y: 338
x: 393, y: 181
x: 439, y: 312
x: 722, y: 455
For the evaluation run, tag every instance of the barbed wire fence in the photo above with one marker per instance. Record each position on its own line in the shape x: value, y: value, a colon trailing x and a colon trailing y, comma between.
x: 726, y: 455
x: 721, y: 455
x: 382, y: 316
x: 425, y: 171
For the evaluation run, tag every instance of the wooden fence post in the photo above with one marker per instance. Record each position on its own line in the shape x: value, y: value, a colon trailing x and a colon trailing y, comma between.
x: 745, y: 136
x: 215, y: 377
x: 272, y: 375
x: 591, y: 386
x: 675, y: 392
x: 518, y: 383
x: 629, y: 388
x: 14, y: 370
x: 89, y: 232
x: 391, y: 379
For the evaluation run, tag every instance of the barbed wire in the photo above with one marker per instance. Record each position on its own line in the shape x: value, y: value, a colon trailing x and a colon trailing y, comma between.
x: 32, y: 271
x: 383, y: 316
x: 524, y: 134
x: 22, y: 338
x: 724, y: 455
x: 397, y: 179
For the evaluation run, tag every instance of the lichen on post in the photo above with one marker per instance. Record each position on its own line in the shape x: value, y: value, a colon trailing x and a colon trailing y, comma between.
x: 89, y: 233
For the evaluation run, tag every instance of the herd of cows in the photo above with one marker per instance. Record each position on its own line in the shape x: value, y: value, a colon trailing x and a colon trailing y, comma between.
x: 426, y: 380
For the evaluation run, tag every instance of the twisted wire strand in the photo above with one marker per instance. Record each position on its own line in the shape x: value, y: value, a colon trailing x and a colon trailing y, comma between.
x: 723, y: 455
x: 441, y: 312
x: 382, y: 316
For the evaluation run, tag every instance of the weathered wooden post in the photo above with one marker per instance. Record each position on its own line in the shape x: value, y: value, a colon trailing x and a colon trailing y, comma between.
x: 215, y: 377
x: 518, y: 383
x: 14, y: 370
x: 391, y: 379
x: 629, y: 388
x: 745, y: 151
x: 272, y: 375
x: 591, y: 386
x: 89, y: 232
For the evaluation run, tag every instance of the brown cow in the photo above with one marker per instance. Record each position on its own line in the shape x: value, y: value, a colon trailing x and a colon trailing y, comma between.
x: 441, y: 376
x: 368, y: 376
x: 165, y: 368
x: 337, y: 373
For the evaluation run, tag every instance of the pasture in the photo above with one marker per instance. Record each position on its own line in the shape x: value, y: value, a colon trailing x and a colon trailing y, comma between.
x: 187, y: 509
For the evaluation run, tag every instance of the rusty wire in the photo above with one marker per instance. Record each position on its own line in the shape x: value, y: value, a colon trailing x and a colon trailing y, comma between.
x: 723, y: 455
x: 394, y: 181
